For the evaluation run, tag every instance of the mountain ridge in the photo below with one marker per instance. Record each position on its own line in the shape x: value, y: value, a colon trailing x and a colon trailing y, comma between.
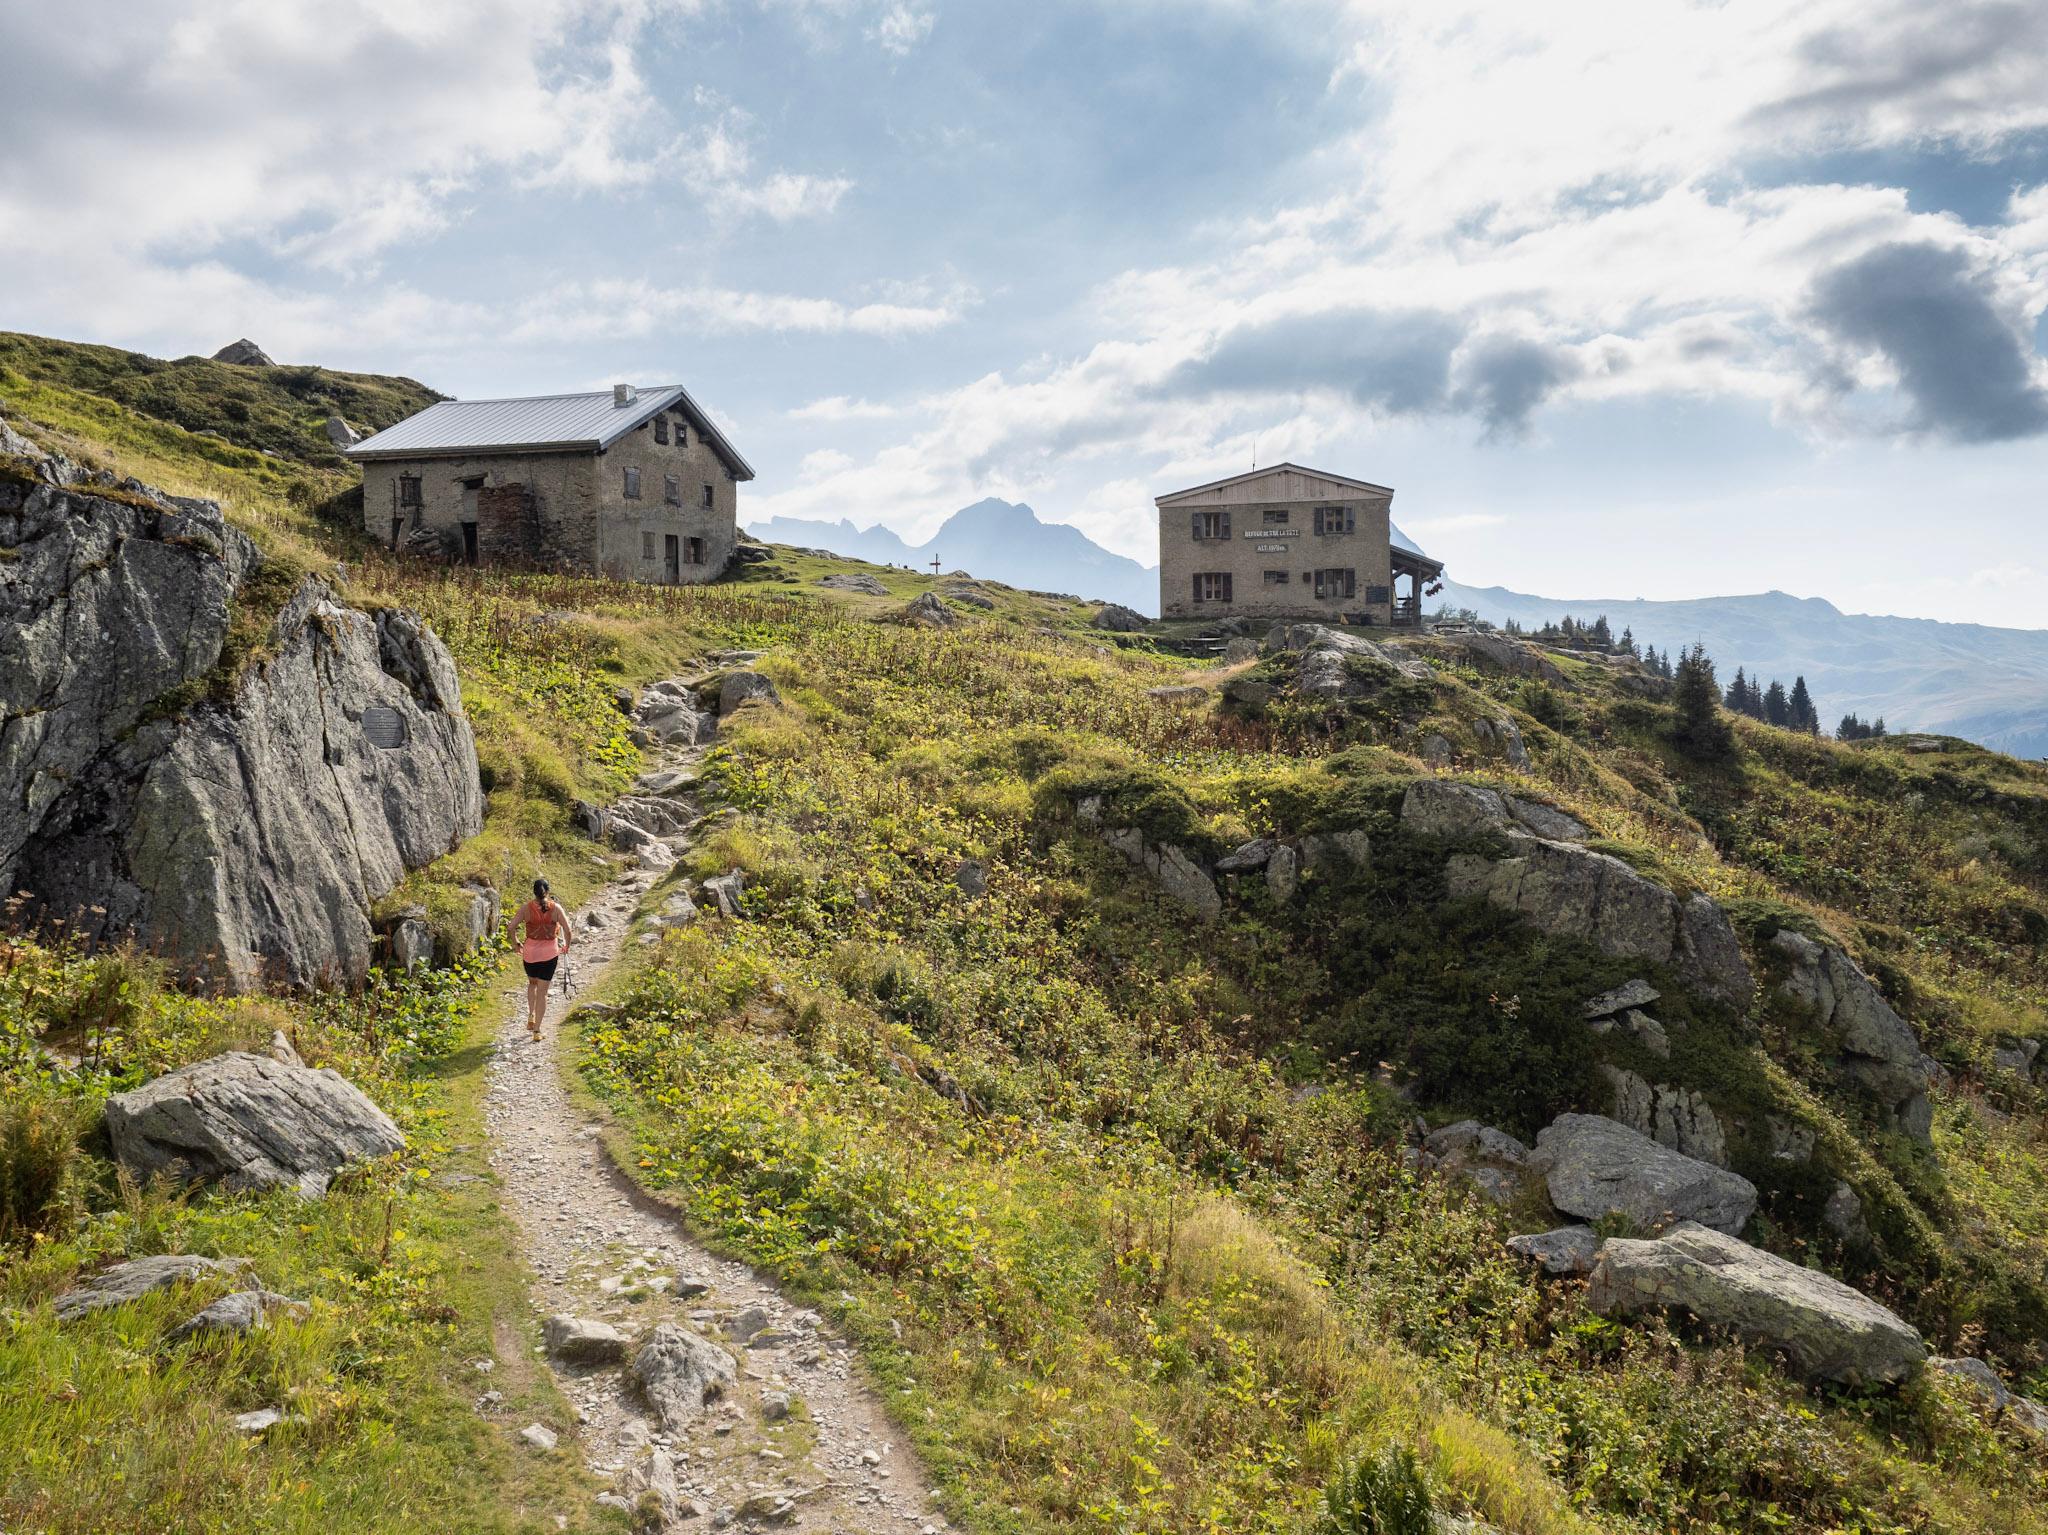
x: 1001, y: 540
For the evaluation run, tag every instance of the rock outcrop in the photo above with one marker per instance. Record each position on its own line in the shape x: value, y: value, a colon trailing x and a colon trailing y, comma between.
x: 1490, y: 1159
x: 247, y: 1122
x: 1170, y: 868
x: 1570, y: 890
x: 1324, y: 668
x: 854, y: 581
x: 1879, y: 1052
x: 1825, y: 1329
x: 1981, y: 1381
x: 1674, y: 1117
x: 1118, y: 619
x: 138, y: 1277
x: 1595, y: 1167
x: 670, y: 714
x: 242, y: 1312
x: 239, y: 815
x: 244, y: 354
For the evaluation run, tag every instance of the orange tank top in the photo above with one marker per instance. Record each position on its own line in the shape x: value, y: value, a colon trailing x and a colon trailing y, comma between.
x: 540, y: 921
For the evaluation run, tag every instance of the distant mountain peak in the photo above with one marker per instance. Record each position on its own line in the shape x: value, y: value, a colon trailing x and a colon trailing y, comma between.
x: 998, y: 540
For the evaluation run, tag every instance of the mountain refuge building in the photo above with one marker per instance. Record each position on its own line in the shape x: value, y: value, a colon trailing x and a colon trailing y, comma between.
x: 1293, y: 543
x: 633, y: 483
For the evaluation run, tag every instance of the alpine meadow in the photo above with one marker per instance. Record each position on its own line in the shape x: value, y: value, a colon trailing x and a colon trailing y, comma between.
x: 820, y: 792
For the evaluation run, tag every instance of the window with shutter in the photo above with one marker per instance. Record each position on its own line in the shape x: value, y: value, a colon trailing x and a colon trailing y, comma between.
x: 1334, y: 519
x: 661, y: 430
x: 632, y: 484
x: 646, y: 546
x: 707, y: 495
x: 672, y: 489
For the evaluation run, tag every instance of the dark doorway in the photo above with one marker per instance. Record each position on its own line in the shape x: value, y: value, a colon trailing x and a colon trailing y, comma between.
x: 672, y: 558
x: 469, y: 543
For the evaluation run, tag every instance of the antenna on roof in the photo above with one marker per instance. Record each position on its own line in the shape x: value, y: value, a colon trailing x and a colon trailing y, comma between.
x: 1255, y: 450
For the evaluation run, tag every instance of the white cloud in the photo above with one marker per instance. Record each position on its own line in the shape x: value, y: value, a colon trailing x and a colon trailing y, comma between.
x: 2010, y: 573
x: 903, y: 27
x: 839, y: 407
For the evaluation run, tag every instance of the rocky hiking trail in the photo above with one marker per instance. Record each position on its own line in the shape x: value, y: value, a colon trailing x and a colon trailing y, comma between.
x: 705, y: 1396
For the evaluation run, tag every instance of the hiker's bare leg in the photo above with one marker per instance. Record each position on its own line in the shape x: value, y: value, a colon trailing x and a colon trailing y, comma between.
x: 536, y: 1004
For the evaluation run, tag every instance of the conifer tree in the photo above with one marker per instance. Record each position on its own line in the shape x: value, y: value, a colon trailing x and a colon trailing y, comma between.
x: 1736, y: 700
x: 1877, y: 727
x: 1777, y: 711
x: 1804, y: 716
x: 1601, y: 634
x: 1702, y: 731
x: 1628, y: 642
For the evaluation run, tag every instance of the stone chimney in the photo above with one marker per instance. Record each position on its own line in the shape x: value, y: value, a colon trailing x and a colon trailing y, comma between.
x: 624, y: 394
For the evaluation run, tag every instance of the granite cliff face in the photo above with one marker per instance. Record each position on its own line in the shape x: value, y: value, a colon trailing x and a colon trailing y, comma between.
x: 240, y: 817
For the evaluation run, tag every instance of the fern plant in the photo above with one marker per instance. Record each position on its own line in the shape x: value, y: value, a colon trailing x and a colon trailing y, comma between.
x: 1383, y: 1494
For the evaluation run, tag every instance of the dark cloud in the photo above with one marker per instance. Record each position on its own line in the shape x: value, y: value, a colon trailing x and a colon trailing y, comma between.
x: 1966, y: 369
x: 1396, y: 362
x: 1932, y: 65
x: 1502, y: 380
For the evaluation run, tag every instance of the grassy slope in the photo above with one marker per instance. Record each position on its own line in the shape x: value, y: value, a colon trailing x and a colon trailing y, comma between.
x: 1128, y: 1190
x: 1136, y: 1271
x: 278, y: 410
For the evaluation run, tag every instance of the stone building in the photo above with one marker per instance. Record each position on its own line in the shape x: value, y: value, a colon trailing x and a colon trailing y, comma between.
x: 1289, y: 542
x: 633, y: 483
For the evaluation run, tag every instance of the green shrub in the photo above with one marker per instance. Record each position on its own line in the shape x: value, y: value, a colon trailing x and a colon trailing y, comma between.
x: 40, y: 1163
x: 1383, y: 1494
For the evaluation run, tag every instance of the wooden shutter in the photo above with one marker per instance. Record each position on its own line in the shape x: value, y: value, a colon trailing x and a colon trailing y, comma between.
x: 1225, y: 594
x: 1224, y: 530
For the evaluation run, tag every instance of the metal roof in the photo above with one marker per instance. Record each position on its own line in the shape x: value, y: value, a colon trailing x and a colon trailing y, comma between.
x: 548, y: 423
x: 1257, y: 474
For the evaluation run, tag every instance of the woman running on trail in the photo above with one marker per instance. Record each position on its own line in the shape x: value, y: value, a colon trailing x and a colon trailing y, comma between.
x: 546, y: 937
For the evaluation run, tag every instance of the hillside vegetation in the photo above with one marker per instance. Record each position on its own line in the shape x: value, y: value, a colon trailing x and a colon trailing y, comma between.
x: 1121, y: 1208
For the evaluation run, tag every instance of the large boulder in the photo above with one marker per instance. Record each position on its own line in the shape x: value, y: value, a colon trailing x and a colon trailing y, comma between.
x: 1826, y: 1330
x: 1878, y: 1050
x: 737, y: 688
x: 678, y: 1371
x: 584, y: 1340
x: 854, y: 581
x: 248, y: 1122
x: 928, y: 612
x: 239, y: 815
x: 1118, y: 619
x: 1571, y: 890
x: 340, y: 433
x: 1595, y: 1167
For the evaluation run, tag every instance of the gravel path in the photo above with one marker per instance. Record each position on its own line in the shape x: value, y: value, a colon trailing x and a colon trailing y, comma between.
x: 801, y: 1440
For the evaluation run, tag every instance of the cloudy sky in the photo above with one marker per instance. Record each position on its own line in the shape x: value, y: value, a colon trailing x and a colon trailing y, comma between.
x: 1664, y: 299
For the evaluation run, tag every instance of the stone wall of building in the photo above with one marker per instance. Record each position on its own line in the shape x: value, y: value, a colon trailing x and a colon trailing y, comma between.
x: 570, y: 510
x: 1272, y: 552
